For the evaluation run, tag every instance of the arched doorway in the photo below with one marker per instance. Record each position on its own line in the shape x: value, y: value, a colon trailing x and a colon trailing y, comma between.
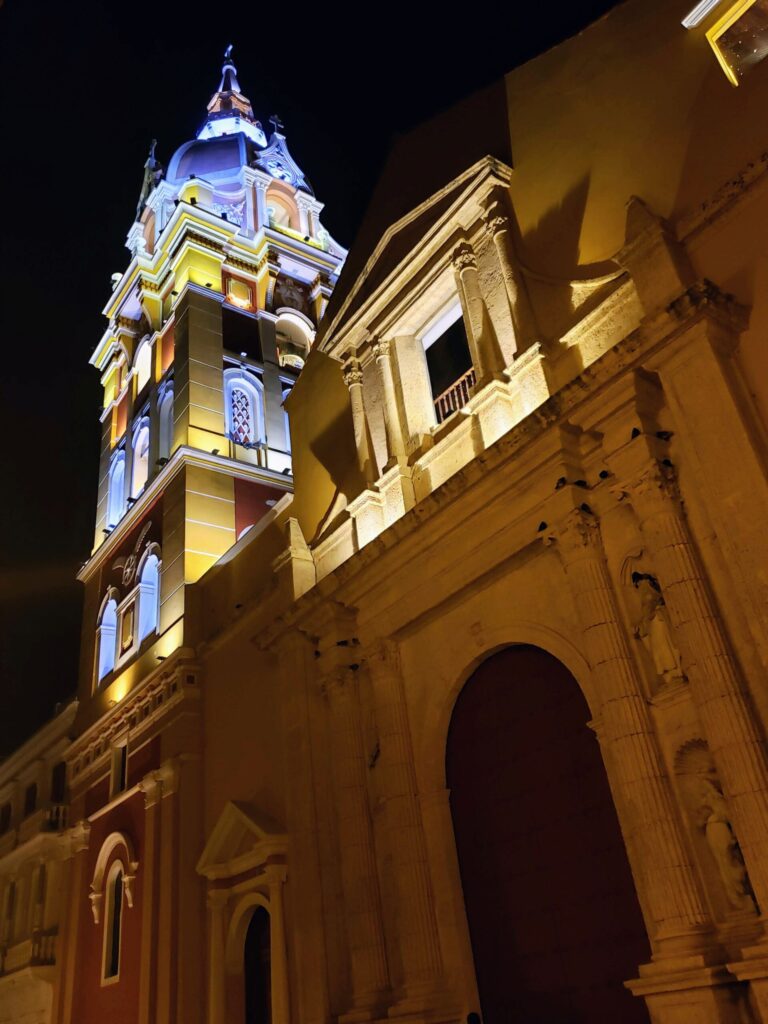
x: 553, y: 914
x: 257, y: 969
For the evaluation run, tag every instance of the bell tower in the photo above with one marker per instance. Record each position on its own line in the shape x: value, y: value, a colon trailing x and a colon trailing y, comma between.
x: 207, y: 330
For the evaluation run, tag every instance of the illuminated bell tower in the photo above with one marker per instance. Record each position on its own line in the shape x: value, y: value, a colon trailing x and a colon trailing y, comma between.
x: 208, y: 329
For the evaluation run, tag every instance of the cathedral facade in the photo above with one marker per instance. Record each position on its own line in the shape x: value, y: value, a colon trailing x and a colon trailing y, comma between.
x: 426, y: 633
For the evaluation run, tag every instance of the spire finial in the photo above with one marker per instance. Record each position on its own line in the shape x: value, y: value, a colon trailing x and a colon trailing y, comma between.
x: 276, y: 123
x: 228, y: 53
x: 153, y: 172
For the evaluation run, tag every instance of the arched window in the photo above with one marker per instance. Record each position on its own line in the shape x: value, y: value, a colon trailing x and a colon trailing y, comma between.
x: 149, y: 594
x: 106, y: 638
x: 281, y: 212
x: 113, y: 920
x: 257, y: 969
x: 165, y: 417
x: 116, y: 493
x: 140, y: 458
x: 143, y: 365
x: 244, y: 407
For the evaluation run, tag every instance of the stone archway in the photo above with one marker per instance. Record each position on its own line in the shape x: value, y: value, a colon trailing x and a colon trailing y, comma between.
x: 553, y: 915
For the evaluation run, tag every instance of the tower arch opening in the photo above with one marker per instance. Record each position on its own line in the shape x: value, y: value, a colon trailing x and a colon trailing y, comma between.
x: 541, y: 854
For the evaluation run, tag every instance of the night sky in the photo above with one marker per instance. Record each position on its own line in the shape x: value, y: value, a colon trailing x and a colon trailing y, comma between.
x: 85, y: 87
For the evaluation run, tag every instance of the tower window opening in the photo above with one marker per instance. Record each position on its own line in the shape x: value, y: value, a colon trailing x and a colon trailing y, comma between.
x: 107, y: 639
x: 140, y: 458
x: 143, y: 366
x: 244, y: 408
x: 116, y: 490
x: 165, y: 426
x: 149, y: 596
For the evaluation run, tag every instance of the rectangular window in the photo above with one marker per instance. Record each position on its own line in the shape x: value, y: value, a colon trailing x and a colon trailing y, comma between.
x: 119, y: 770
x: 30, y: 799
x: 5, y: 818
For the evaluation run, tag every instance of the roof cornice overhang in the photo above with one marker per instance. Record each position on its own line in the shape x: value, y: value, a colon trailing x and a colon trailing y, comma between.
x: 471, y: 186
x: 182, y: 457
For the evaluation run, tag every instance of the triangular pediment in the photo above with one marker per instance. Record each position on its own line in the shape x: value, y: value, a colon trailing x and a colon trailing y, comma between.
x: 243, y: 838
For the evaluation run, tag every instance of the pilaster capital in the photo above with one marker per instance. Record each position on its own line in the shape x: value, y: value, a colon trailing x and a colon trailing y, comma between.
x: 705, y: 296
x: 275, y: 874
x: 216, y: 899
x: 463, y: 257
x: 352, y: 372
x: 654, y: 483
x: 169, y: 776
x: 576, y: 536
x: 151, y: 786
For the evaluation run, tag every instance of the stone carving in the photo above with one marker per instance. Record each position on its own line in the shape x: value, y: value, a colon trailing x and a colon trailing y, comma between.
x: 709, y: 813
x: 464, y: 258
x: 290, y: 294
x: 653, y: 630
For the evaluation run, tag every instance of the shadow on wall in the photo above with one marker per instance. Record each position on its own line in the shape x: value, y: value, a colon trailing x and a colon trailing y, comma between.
x: 325, y: 470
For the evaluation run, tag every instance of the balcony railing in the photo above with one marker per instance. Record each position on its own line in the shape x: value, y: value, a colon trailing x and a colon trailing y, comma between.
x: 456, y: 396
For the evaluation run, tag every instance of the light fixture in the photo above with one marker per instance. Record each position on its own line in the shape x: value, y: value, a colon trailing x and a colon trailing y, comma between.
x: 699, y: 13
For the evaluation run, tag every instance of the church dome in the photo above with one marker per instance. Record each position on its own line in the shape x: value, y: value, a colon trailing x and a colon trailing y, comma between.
x: 220, y: 157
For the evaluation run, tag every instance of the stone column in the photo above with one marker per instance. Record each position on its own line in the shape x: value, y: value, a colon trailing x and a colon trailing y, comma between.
x: 393, y: 426
x: 500, y: 229
x: 353, y: 378
x: 487, y: 357
x: 644, y: 802
x: 413, y: 897
x: 217, y: 901
x: 729, y: 723
x: 281, y: 1006
x: 358, y: 861
x: 151, y: 787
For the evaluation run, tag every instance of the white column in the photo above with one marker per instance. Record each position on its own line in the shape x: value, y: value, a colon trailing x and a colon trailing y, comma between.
x: 394, y: 428
x: 353, y: 378
x: 487, y: 357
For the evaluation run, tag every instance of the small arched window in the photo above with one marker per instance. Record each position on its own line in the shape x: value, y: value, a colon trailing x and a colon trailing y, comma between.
x: 140, y: 458
x: 244, y: 407
x: 106, y: 638
x: 113, y: 920
x: 149, y: 594
x: 143, y: 366
x: 165, y: 417
x: 116, y: 491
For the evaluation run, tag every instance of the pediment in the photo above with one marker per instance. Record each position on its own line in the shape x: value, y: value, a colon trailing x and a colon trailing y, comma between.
x: 242, y: 839
x: 417, y: 228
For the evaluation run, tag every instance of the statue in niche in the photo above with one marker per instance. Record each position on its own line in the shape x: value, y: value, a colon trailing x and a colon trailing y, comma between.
x: 711, y: 815
x: 653, y: 629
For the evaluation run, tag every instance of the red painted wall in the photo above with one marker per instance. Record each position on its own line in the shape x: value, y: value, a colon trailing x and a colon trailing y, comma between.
x: 251, y: 503
x: 118, y: 1001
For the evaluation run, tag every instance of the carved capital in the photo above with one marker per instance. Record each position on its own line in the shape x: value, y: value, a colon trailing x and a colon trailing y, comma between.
x: 217, y: 899
x: 151, y: 787
x: 655, y: 482
x: 380, y: 349
x: 577, y: 536
x: 352, y: 372
x: 463, y: 257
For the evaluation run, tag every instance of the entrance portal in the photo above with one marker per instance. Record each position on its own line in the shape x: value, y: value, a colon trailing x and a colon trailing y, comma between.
x: 553, y: 914
x: 257, y: 970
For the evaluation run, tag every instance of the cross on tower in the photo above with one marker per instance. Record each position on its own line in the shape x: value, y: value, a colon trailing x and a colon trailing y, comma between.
x: 276, y: 123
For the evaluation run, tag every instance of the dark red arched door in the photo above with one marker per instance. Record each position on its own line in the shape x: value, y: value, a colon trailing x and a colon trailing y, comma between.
x: 552, y: 909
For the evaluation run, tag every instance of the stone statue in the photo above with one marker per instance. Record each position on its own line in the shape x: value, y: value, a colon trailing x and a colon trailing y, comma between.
x: 711, y: 815
x: 653, y: 629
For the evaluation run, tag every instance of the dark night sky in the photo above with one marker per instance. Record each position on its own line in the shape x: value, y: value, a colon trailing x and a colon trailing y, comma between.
x: 85, y: 86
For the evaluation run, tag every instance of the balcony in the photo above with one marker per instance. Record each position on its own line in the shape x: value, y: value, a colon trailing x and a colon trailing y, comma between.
x: 37, y: 951
x: 456, y: 396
